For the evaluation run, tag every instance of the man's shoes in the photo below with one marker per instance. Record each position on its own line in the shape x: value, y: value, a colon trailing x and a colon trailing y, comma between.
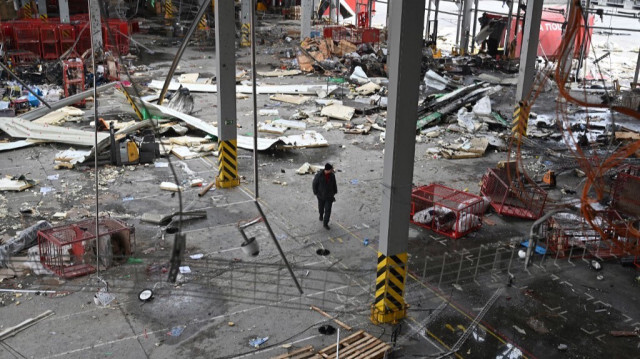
x: 326, y: 226
x: 321, y: 217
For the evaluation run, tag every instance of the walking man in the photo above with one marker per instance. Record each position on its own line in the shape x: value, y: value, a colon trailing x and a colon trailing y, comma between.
x: 325, y: 188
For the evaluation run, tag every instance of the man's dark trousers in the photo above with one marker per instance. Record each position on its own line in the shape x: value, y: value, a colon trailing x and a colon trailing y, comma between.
x: 324, y: 208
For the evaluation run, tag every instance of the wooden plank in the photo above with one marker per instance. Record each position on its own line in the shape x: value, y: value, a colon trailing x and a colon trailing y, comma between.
x: 358, y: 347
x: 379, y: 354
x: 350, y: 339
x: 374, y: 351
x: 305, y: 350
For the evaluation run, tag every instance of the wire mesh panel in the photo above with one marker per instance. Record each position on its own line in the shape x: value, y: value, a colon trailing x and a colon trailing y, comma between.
x: 513, y: 198
x: 445, y: 210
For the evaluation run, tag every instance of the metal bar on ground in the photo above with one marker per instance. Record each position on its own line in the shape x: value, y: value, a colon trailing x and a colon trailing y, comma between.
x: 275, y: 241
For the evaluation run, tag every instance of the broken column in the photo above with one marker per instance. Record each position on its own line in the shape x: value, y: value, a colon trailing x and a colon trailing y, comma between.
x: 226, y: 77
x: 405, y: 37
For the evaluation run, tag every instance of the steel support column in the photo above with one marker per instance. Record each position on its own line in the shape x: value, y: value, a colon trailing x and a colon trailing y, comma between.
x: 635, y: 77
x: 405, y: 37
x: 226, y: 78
x: 169, y: 10
x: 529, y: 50
x: 245, y: 20
x: 96, y: 29
x: 465, y: 31
x: 507, y: 34
x: 305, y: 19
x: 475, y: 24
x: 63, y: 8
x: 42, y: 9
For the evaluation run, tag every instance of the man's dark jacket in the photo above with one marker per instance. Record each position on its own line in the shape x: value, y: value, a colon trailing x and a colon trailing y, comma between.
x: 323, y: 189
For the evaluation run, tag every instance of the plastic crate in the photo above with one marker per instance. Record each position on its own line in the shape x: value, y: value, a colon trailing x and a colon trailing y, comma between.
x: 73, y: 78
x: 67, y: 36
x: 49, y: 42
x: 351, y: 34
x: 26, y: 37
x: 70, y: 250
x: 445, y: 210
x: 83, y: 37
x: 522, y: 200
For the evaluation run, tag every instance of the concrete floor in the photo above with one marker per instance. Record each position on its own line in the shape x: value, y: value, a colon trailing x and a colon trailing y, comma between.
x: 556, y: 302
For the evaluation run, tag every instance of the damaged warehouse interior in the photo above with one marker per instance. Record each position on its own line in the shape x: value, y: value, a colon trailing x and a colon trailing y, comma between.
x: 473, y: 164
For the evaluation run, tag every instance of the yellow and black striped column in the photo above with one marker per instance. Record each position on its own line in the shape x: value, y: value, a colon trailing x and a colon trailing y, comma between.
x: 202, y: 25
x: 169, y: 10
x: 225, y: 64
x: 389, y: 305
x: 245, y: 18
x: 227, y: 164
x: 27, y: 10
x: 520, y: 119
x: 245, y: 37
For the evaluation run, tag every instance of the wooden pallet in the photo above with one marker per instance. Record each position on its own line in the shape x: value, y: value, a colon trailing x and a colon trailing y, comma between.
x: 302, y: 353
x: 360, y: 345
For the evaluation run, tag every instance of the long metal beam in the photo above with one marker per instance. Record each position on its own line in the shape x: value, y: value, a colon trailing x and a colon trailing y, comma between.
x: 183, y: 45
x: 68, y: 101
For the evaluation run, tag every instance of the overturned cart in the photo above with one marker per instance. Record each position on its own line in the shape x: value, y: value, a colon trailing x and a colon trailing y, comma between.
x: 512, y: 195
x: 71, y: 250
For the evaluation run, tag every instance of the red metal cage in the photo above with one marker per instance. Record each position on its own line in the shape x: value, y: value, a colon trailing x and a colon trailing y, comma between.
x: 70, y: 250
x: 447, y: 211
x: 515, y: 198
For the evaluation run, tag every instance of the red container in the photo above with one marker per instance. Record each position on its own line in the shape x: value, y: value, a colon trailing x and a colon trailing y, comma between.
x: 26, y: 37
x: 67, y: 35
x: 522, y: 200
x: 70, y: 250
x: 83, y: 37
x: 49, y: 42
x: 447, y: 211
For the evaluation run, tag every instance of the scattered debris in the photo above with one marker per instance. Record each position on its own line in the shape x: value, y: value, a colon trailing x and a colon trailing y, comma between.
x: 339, y: 112
x: 256, y: 342
x: 16, y: 183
